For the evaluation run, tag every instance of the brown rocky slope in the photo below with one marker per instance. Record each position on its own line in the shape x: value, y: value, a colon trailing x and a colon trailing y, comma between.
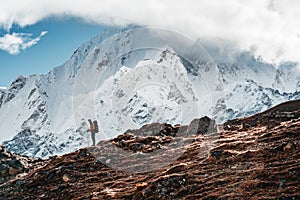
x: 255, y: 157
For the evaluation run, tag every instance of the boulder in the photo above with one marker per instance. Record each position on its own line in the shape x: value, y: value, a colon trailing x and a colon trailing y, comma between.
x: 202, y: 126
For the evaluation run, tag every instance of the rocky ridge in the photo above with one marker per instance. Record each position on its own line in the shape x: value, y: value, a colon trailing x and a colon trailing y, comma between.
x: 250, y: 161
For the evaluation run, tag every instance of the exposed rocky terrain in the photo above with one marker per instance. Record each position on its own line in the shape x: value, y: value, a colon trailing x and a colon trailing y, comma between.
x: 255, y: 157
x: 12, y: 164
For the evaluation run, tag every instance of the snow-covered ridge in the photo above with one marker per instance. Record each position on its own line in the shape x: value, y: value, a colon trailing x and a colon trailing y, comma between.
x: 128, y: 77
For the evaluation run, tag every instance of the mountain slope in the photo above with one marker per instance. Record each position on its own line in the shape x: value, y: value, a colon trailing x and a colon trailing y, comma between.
x: 259, y: 162
x: 127, y: 78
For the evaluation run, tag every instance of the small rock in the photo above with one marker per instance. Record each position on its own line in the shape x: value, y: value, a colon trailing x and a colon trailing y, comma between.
x: 13, y: 171
x: 60, y: 188
x: 66, y: 178
x: 245, y: 126
x: 140, y: 186
x: 19, y: 183
x: 82, y: 153
x: 281, y: 184
x: 217, y: 154
x: 50, y: 175
x: 15, y: 163
x: 137, y: 146
x: 287, y: 147
x: 3, y: 169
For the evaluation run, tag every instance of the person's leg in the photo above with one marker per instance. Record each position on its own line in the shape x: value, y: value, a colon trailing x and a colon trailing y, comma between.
x: 93, y: 138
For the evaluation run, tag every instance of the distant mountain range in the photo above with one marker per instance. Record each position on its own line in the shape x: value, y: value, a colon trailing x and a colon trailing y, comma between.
x: 126, y: 78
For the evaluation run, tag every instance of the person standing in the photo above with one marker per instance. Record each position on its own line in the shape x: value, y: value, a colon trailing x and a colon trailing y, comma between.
x: 92, y: 130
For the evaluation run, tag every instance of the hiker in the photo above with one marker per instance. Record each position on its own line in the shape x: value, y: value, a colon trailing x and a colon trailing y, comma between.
x: 93, y: 129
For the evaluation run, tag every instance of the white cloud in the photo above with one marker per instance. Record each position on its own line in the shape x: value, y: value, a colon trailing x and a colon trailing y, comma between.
x: 15, y: 42
x: 270, y: 28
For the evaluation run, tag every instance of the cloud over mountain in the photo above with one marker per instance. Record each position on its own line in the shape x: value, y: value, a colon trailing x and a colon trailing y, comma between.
x: 269, y: 28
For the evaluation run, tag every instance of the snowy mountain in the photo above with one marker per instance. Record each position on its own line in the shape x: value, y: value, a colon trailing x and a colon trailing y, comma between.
x: 130, y: 77
x: 252, y: 86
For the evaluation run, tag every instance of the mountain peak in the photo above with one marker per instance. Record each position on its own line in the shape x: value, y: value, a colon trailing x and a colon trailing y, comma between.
x: 129, y: 77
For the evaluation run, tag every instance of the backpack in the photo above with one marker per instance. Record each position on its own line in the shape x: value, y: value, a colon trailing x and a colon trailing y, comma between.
x: 96, y: 126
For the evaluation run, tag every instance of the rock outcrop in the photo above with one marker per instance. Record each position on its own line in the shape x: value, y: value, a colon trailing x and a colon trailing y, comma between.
x: 270, y: 118
x: 12, y: 165
x: 160, y: 161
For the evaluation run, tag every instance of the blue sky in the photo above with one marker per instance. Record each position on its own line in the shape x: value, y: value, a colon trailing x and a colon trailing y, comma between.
x: 63, y: 36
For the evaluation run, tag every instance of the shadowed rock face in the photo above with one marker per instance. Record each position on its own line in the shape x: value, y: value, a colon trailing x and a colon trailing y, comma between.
x: 160, y: 161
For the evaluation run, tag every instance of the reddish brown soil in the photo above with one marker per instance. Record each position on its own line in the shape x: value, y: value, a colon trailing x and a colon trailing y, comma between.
x: 248, y: 160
